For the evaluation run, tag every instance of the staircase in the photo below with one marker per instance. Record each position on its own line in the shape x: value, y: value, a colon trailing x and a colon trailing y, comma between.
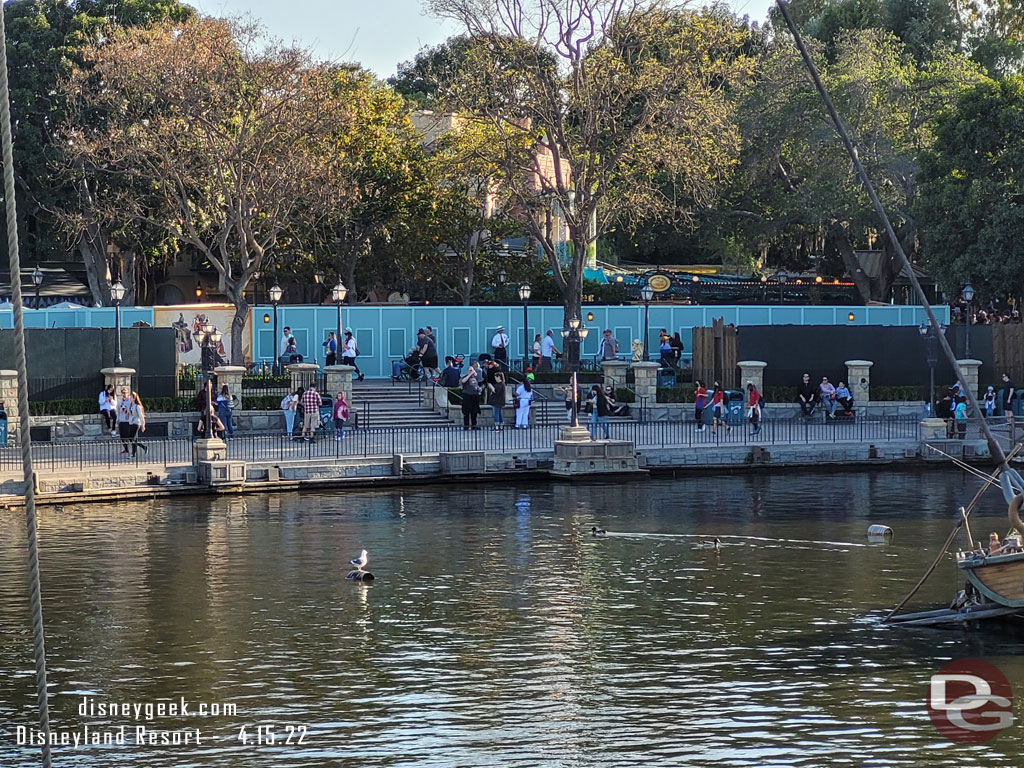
x: 379, y: 403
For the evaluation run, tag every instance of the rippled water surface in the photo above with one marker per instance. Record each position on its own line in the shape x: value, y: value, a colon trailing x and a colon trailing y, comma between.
x: 499, y: 632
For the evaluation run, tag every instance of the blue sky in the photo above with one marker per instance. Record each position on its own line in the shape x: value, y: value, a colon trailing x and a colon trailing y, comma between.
x: 376, y: 33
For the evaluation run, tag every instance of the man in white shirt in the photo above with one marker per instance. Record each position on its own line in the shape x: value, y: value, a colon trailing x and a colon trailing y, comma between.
x: 547, y: 351
x: 284, y: 341
x: 349, y: 351
x: 500, y: 345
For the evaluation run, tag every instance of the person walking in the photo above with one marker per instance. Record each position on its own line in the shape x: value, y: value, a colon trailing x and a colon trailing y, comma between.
x: 340, y: 414
x: 137, y: 420
x: 311, y: 412
x: 330, y: 349
x: 470, y: 397
x: 597, y: 405
x: 282, y: 346
x: 537, y: 351
x: 700, y: 399
x: 288, y: 405
x: 609, y: 347
x: 524, y: 398
x: 499, y: 343
x: 547, y: 352
x: 108, y: 409
x: 754, y: 407
x: 496, y: 399
x: 124, y: 413
x: 1007, y: 398
x: 349, y: 353
x: 718, y: 408
x: 225, y: 406
x: 428, y: 355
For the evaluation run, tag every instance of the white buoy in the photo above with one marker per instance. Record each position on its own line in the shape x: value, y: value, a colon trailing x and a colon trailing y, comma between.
x: 875, y: 531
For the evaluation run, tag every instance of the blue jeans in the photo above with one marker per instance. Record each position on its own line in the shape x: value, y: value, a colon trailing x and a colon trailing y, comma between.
x: 339, y: 428
x: 289, y: 421
x: 594, y: 421
x: 225, y: 416
x: 830, y: 404
x: 499, y: 418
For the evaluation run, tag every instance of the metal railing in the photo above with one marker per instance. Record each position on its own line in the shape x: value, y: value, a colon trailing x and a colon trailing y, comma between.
x: 431, y: 440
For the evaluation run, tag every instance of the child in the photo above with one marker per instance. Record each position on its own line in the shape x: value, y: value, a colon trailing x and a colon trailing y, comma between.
x: 990, y: 402
x: 340, y: 416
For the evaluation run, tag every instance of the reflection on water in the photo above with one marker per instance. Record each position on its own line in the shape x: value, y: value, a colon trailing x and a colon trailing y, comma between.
x: 499, y: 632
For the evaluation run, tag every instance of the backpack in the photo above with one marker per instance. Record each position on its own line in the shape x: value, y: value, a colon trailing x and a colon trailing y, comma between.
x: 286, y: 403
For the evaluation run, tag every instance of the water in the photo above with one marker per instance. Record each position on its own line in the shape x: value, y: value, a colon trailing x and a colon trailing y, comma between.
x: 499, y: 632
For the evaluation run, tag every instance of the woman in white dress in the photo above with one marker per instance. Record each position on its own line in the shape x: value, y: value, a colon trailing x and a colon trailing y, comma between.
x: 524, y: 396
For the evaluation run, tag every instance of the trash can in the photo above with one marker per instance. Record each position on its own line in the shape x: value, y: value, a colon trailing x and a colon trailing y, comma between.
x: 666, y: 377
x: 3, y: 425
x: 734, y: 406
x: 327, y: 413
x: 1018, y: 403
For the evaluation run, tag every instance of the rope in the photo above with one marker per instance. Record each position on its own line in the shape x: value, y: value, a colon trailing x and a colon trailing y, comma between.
x: 39, y: 646
x: 995, y: 449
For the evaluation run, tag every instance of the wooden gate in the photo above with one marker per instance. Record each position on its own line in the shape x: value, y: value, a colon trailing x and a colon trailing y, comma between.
x: 715, y: 355
x: 1008, y: 352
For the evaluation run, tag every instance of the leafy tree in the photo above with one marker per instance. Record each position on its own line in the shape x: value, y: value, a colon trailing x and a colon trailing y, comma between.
x: 45, y: 41
x: 970, y: 208
x: 795, y: 191
x: 597, y: 107
x: 229, y: 137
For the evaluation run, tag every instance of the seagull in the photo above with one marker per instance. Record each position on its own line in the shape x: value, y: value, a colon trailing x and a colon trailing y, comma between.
x: 595, y: 531
x: 715, y: 545
x: 361, y: 561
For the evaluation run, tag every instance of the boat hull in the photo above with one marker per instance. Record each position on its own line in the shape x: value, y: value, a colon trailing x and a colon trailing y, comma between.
x: 999, y: 579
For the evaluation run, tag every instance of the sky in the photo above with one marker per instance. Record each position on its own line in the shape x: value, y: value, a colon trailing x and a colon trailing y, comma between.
x: 379, y: 34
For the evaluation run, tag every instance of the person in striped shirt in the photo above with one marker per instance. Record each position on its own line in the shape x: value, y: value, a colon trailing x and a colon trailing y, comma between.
x: 311, y: 406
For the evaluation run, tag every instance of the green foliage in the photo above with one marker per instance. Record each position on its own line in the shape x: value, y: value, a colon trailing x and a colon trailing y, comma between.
x: 970, y: 208
x: 623, y: 395
x: 681, y: 394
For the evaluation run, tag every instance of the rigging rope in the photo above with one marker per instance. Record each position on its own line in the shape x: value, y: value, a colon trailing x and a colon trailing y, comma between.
x: 10, y: 204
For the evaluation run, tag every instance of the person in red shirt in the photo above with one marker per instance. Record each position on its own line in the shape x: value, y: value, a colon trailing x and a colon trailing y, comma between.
x: 718, y: 408
x: 700, y: 400
x: 754, y: 407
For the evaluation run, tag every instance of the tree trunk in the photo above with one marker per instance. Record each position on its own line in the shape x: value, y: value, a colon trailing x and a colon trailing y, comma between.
x: 852, y: 264
x: 467, y: 283
x: 350, y: 278
x: 238, y: 328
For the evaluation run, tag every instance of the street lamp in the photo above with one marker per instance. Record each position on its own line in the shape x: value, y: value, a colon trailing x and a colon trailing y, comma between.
x: 275, y: 299
x: 782, y: 281
x: 695, y: 295
x: 209, y: 339
x: 524, y: 296
x: 116, y: 295
x: 338, y: 293
x: 646, y: 294
x: 931, y: 350
x: 575, y: 332
x: 968, y: 294
x: 37, y: 278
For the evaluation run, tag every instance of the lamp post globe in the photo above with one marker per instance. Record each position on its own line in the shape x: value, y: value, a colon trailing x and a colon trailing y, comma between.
x: 275, y: 298
x: 37, y: 280
x: 117, y: 292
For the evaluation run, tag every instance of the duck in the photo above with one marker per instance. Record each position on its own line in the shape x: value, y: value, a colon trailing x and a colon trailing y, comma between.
x: 715, y: 545
x: 361, y: 561
x: 595, y: 531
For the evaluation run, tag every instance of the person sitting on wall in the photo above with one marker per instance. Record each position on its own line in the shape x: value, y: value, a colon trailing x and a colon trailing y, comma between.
x: 845, y: 399
x: 806, y: 395
x: 615, y: 408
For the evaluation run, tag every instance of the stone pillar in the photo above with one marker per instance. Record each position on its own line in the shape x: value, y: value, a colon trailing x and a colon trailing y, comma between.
x: 646, y: 383
x: 119, y: 378
x: 9, y: 397
x: 858, y: 381
x: 232, y: 376
x: 752, y: 370
x: 614, y: 372
x: 339, y: 379
x: 303, y: 374
x: 969, y: 368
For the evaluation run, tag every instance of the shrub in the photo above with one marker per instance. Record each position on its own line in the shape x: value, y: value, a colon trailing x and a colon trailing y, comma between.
x: 681, y: 394
x: 623, y: 395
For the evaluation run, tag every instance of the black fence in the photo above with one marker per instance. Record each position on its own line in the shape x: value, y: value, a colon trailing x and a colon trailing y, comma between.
x: 389, y: 441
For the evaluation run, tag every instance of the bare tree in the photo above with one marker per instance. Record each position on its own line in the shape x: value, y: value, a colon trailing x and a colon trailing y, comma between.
x: 228, y: 136
x: 604, y: 110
